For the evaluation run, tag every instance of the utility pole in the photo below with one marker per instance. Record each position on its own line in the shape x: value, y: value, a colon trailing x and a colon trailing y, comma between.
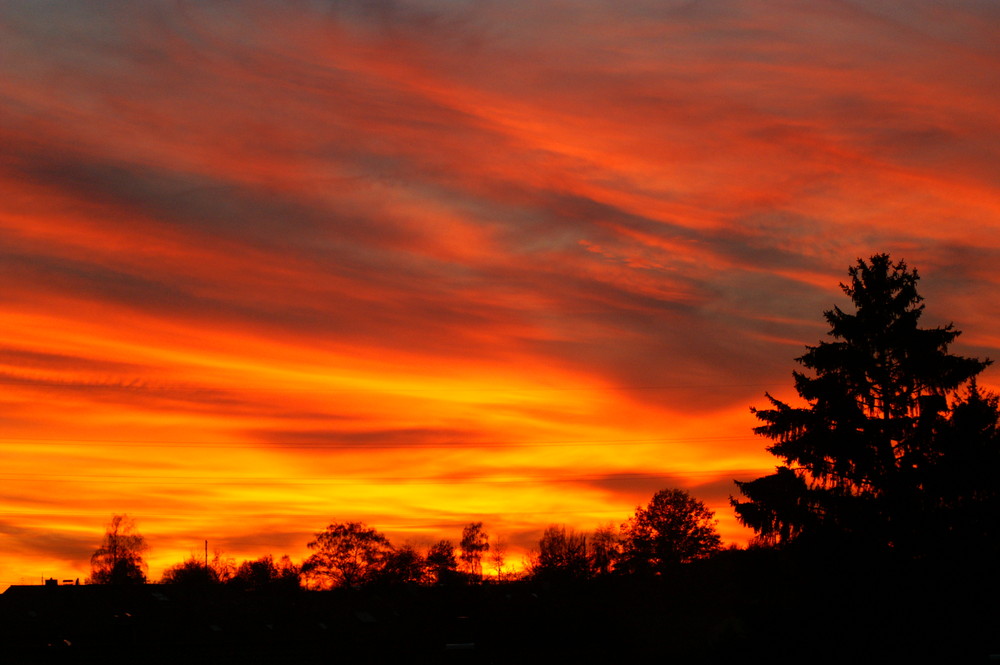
x: 206, y: 553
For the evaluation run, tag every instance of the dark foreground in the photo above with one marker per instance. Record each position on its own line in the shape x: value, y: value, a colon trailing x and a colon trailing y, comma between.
x: 742, y: 607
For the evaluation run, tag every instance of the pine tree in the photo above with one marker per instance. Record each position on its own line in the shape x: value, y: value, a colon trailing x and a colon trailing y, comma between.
x: 864, y: 459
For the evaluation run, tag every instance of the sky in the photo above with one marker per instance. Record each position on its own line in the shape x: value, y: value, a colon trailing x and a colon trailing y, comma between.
x: 268, y: 266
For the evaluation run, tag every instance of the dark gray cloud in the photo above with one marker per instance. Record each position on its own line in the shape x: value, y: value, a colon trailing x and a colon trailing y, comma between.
x: 44, y: 543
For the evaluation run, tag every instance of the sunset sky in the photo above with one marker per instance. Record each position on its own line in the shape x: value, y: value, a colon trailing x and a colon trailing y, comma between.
x: 271, y: 265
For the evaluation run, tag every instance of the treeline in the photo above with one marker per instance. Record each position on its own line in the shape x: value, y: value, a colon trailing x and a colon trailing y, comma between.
x: 674, y: 528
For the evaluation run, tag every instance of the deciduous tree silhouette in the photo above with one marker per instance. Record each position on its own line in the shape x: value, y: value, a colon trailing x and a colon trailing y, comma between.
x: 604, y: 549
x: 498, y: 557
x: 867, y: 459
x: 441, y: 562
x: 403, y: 565
x: 562, y: 555
x: 192, y: 572
x: 674, y: 528
x: 475, y: 543
x: 119, y: 560
x: 264, y: 573
x: 223, y: 566
x: 346, y: 554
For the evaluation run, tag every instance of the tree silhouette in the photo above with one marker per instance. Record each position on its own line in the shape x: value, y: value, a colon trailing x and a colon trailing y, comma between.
x: 441, y: 562
x: 264, y: 572
x: 223, y: 566
x: 962, y: 481
x: 403, y: 565
x: 861, y: 459
x: 562, y: 555
x: 192, y: 572
x: 346, y: 554
x: 673, y: 528
x: 119, y: 560
x: 475, y: 542
x: 604, y: 549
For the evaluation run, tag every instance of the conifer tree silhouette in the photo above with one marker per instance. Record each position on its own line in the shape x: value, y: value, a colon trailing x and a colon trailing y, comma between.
x: 862, y: 461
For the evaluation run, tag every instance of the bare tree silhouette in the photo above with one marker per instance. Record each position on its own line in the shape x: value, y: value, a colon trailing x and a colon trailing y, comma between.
x: 118, y: 560
x: 474, y: 544
x: 562, y: 555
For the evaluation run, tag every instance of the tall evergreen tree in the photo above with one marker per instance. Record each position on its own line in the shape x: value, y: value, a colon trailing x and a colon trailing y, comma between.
x: 864, y: 459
